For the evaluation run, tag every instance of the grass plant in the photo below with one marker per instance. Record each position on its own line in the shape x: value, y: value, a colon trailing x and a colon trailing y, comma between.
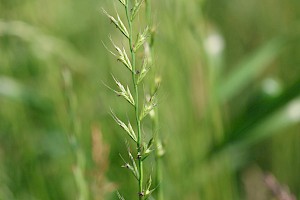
x: 223, y: 114
x: 132, y: 9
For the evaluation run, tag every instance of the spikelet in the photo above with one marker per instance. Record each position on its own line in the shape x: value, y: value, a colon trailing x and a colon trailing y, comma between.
x: 124, y: 92
x: 141, y: 39
x: 148, y: 107
x: 136, y: 9
x: 127, y: 128
x: 118, y: 23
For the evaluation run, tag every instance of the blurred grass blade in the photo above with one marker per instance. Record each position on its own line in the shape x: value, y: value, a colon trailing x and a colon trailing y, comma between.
x: 249, y: 69
x: 288, y: 116
x: 119, y: 196
x: 9, y: 88
x: 44, y: 46
x: 13, y: 90
x: 263, y: 120
x: 79, y: 176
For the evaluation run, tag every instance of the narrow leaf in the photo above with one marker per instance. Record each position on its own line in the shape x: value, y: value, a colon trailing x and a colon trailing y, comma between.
x: 249, y: 69
x: 265, y: 120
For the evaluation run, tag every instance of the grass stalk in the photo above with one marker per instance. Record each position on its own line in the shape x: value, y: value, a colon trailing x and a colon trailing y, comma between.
x: 79, y: 168
x: 158, y: 155
x: 136, y: 91
x: 137, y: 75
x: 154, y: 117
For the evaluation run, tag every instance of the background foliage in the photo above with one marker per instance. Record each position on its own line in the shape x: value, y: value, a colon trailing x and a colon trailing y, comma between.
x: 229, y: 103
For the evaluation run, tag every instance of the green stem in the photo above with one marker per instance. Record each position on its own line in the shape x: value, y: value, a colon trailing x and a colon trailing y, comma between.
x: 74, y: 131
x: 158, y: 155
x: 155, y: 121
x: 136, y: 90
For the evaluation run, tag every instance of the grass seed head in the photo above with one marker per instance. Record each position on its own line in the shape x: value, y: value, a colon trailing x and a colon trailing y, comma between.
x: 128, y: 130
x: 136, y: 9
x: 148, y: 107
x: 124, y: 92
x: 145, y: 69
x: 149, y: 191
x: 118, y: 23
x: 142, y: 37
x: 122, y: 56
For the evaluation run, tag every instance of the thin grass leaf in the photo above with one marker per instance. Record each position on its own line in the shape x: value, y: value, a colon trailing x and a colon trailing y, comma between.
x: 128, y: 128
x: 141, y: 38
x: 281, y: 119
x: 261, y: 124
x: 249, y: 69
x: 118, y: 23
x: 124, y: 92
x: 136, y: 9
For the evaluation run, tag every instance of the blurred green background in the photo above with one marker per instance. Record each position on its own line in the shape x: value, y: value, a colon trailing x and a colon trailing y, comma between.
x: 229, y: 103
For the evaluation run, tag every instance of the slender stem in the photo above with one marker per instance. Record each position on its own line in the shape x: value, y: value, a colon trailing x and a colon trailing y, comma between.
x: 155, y: 121
x: 158, y: 155
x: 136, y: 90
x: 74, y: 131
